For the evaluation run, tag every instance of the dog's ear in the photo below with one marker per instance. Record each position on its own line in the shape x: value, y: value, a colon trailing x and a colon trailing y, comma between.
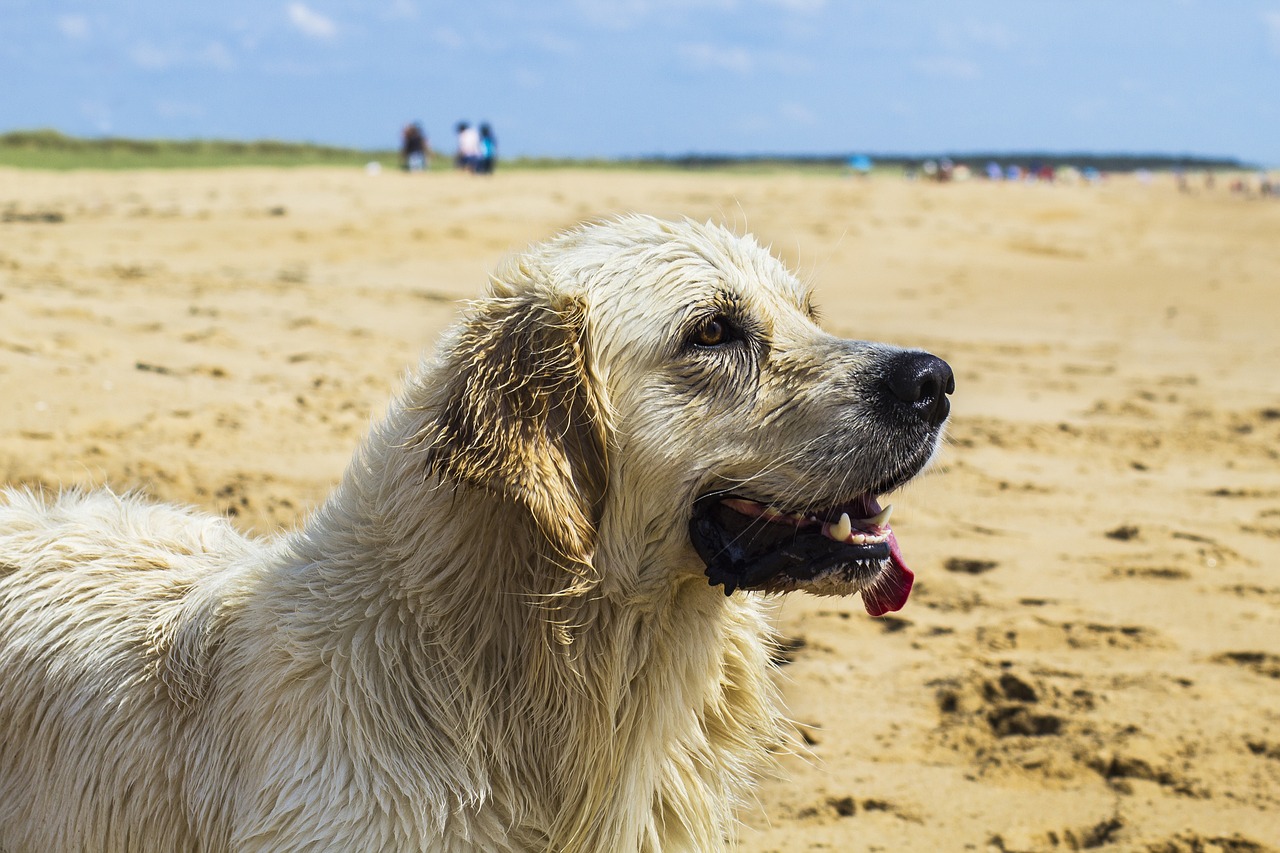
x: 522, y: 415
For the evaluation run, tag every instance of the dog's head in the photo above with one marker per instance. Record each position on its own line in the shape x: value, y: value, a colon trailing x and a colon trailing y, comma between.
x: 660, y: 399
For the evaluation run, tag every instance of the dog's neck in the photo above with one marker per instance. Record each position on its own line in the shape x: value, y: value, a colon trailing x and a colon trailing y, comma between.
x: 636, y: 722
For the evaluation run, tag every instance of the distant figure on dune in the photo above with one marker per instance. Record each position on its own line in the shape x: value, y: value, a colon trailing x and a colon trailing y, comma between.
x: 414, y: 148
x: 468, y: 155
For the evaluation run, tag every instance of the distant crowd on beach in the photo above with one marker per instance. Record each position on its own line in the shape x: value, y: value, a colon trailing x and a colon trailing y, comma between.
x: 1260, y: 184
x: 476, y: 149
x: 944, y: 170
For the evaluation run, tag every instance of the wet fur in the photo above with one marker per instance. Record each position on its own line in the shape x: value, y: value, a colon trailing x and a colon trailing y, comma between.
x: 494, y: 635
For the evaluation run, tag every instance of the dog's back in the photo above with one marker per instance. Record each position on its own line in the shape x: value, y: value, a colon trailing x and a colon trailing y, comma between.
x: 108, y: 614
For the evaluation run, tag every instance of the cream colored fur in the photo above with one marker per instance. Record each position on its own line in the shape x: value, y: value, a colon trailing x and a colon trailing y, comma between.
x: 493, y: 636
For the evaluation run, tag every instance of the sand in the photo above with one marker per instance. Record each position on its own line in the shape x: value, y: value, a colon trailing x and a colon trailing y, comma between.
x: 1092, y: 656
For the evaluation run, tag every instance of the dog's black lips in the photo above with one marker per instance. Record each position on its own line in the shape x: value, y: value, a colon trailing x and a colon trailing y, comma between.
x: 742, y: 552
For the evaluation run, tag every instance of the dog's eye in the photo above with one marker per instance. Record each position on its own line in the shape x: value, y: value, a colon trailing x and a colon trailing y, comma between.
x: 713, y: 332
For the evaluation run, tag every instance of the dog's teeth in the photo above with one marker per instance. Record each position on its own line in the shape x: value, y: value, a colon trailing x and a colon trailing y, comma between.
x: 882, y: 517
x: 841, y: 529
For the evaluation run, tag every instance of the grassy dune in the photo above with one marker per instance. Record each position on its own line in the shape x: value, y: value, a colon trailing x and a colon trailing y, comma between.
x: 49, y: 149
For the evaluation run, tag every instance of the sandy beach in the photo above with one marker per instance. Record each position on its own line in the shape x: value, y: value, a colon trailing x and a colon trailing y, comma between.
x: 1091, y: 658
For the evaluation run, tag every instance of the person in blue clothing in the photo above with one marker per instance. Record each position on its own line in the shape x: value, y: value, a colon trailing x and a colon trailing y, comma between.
x: 488, y: 150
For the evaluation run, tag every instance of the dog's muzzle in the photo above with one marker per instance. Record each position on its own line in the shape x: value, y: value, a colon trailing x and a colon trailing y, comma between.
x: 846, y: 549
x: 751, y: 544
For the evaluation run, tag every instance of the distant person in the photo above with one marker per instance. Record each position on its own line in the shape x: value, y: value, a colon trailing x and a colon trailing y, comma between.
x: 414, y: 148
x: 468, y: 155
x: 488, y: 150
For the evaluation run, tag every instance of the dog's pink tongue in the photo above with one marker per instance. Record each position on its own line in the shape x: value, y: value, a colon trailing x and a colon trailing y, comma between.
x: 892, y: 587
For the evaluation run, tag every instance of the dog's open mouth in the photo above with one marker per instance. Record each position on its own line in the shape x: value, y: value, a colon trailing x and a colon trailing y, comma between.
x: 836, y: 551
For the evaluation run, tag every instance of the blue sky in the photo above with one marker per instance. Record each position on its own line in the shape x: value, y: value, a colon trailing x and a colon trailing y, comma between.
x: 635, y: 77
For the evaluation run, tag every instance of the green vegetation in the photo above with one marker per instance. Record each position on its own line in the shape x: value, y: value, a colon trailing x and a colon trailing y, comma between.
x: 49, y: 149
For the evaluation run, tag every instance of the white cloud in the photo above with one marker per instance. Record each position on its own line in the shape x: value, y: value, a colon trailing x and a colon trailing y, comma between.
x: 148, y: 56
x: 1272, y: 22
x: 614, y: 14
x: 703, y: 55
x: 803, y: 6
x: 948, y: 67
x: 553, y: 44
x: 742, y: 61
x: 75, y: 27
x: 620, y: 15
x: 311, y: 23
x: 401, y: 10
x: 216, y: 55
x: 448, y: 37
x: 987, y: 35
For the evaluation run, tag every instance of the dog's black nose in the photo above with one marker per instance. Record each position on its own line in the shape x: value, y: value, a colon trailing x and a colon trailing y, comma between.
x: 922, y: 381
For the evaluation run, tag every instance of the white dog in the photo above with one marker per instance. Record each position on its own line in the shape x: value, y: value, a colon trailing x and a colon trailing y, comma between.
x: 530, y: 617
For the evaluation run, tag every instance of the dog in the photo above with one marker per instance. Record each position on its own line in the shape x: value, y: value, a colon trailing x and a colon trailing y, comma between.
x: 533, y: 615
